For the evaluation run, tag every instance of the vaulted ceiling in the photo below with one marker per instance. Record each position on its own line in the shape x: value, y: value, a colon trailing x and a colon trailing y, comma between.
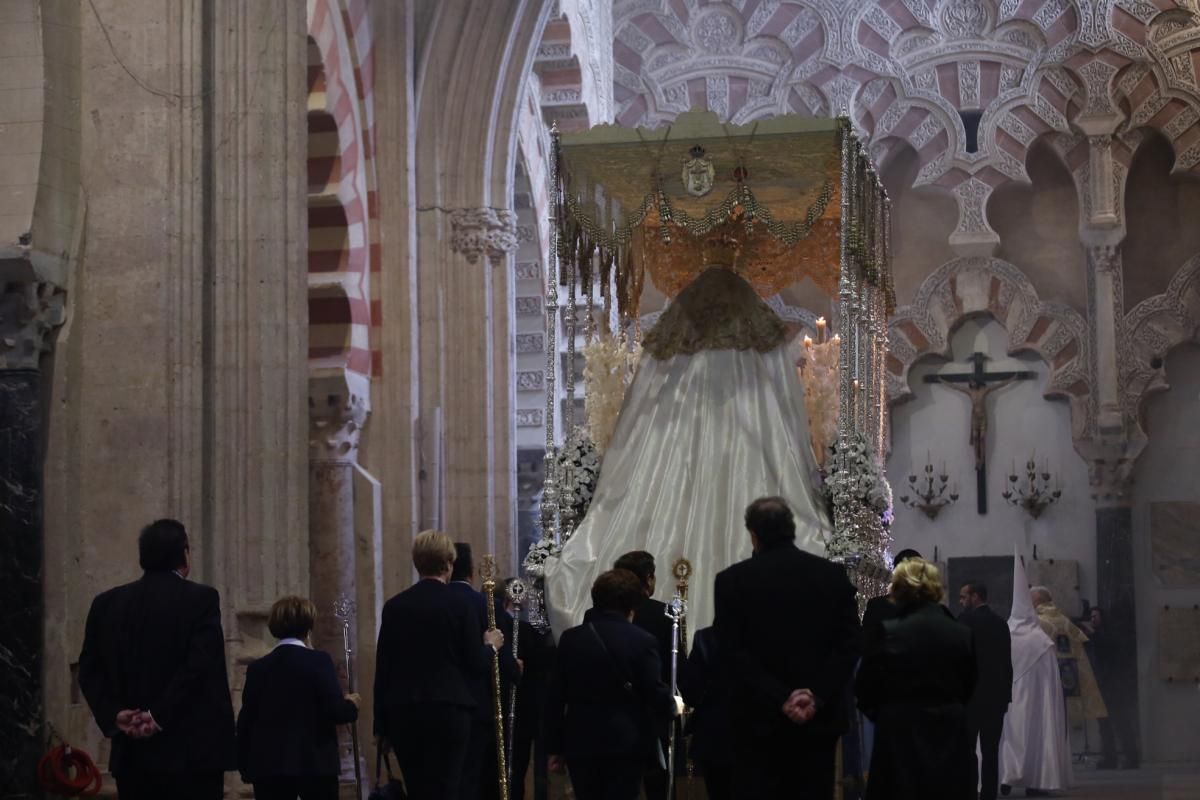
x: 970, y: 85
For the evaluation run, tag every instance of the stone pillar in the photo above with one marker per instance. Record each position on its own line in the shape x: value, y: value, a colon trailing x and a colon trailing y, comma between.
x: 338, y: 409
x: 28, y: 314
x: 1105, y: 315
x: 1116, y: 594
x: 1113, y: 446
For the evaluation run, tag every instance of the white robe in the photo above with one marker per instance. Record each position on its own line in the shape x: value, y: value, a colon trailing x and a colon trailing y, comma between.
x: 699, y: 437
x: 1035, y: 751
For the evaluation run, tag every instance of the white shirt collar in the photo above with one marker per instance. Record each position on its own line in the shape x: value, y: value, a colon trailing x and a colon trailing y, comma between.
x: 292, y: 642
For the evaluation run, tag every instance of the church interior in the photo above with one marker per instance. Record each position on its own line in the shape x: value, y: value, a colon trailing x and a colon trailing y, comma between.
x: 301, y: 276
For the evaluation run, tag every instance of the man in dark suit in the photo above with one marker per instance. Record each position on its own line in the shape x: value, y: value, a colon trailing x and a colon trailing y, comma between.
x: 651, y: 616
x: 153, y: 671
x: 607, y: 701
x: 993, y: 685
x: 481, y: 779
x: 431, y: 652
x: 711, y: 747
x: 787, y: 622
x: 880, y: 609
x: 537, y: 653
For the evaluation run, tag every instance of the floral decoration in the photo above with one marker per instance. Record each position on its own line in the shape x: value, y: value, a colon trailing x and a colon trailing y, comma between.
x: 578, y: 470
x: 610, y: 364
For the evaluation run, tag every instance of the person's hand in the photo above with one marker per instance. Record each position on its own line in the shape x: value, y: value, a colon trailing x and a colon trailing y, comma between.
x: 144, y: 725
x: 356, y: 698
x: 125, y: 719
x: 494, y: 637
x: 678, y: 706
x: 800, y: 707
x: 520, y: 666
x: 556, y: 764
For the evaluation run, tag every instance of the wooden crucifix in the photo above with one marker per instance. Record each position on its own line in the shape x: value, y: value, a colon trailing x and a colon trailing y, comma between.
x: 977, y: 385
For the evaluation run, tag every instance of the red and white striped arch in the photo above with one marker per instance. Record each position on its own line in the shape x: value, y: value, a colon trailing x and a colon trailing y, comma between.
x: 343, y: 241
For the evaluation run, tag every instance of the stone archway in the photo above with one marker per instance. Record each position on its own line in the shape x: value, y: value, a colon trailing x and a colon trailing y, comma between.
x: 972, y: 286
x: 1153, y: 328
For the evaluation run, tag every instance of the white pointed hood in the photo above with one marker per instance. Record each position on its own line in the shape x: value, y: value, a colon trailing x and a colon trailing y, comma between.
x: 1029, y: 641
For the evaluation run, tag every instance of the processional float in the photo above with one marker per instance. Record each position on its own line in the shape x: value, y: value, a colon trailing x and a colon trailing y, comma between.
x: 796, y: 198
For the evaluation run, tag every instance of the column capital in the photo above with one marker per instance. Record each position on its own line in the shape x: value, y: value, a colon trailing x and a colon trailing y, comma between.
x: 29, y: 313
x: 1110, y: 469
x: 483, y: 231
x: 338, y: 406
x: 1105, y: 257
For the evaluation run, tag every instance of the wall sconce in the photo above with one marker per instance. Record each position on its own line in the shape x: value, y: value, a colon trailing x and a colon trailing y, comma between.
x: 929, y: 495
x: 1037, y: 494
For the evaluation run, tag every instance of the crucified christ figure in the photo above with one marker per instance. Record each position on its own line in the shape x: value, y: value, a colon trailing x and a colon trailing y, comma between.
x: 977, y: 385
x: 979, y: 422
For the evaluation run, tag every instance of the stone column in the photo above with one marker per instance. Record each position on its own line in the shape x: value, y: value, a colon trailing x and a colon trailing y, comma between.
x: 1113, y: 447
x: 28, y: 314
x: 338, y: 409
x: 1116, y: 589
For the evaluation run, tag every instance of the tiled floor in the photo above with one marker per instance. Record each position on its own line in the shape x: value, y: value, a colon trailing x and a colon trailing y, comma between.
x: 1148, y: 783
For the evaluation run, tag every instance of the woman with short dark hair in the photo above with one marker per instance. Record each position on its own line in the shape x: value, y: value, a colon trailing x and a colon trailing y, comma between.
x: 917, y: 673
x: 607, y: 700
x: 291, y: 707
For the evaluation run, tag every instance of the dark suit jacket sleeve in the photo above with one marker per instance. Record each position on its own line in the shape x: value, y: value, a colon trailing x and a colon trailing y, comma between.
x: 333, y: 704
x: 248, y: 716
x: 476, y: 653
x: 741, y: 664
x: 205, y: 654
x: 93, y: 675
x: 383, y: 664
x: 647, y: 674
x: 843, y: 646
x: 694, y: 674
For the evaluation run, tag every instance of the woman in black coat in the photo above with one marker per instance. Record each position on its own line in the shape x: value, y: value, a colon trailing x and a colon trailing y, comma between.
x: 291, y: 707
x: 916, y: 676
x: 607, y: 701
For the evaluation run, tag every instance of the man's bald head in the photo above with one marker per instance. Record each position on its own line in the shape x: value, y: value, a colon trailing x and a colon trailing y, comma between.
x: 1041, y: 596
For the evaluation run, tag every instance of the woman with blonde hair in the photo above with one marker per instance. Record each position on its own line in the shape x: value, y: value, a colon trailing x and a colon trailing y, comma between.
x: 291, y: 707
x: 916, y: 676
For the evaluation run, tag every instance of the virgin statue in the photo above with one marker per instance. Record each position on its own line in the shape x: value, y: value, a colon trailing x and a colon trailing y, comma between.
x: 713, y: 419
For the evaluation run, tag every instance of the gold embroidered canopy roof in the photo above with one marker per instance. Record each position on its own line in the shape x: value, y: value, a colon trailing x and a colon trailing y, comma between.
x: 764, y: 199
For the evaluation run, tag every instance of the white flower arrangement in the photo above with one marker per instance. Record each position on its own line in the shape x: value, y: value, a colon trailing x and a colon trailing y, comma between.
x: 578, y: 470
x: 861, y: 499
x: 535, y: 559
x: 610, y: 364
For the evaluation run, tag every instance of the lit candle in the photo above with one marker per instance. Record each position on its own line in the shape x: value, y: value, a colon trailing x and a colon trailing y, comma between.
x: 808, y: 342
x: 837, y: 337
x: 820, y: 324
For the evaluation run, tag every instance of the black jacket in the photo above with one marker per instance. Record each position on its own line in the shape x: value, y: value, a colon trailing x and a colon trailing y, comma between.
x: 786, y: 620
x: 591, y: 712
x: 156, y: 644
x: 291, y: 707
x: 651, y: 616
x: 879, y: 609
x: 430, y: 651
x: 481, y: 685
x: 703, y: 690
x: 993, y: 662
x: 916, y: 676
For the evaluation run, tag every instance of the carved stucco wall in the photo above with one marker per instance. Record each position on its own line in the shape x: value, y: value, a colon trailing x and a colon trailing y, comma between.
x: 1154, y: 327
x: 905, y: 69
x: 975, y: 286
